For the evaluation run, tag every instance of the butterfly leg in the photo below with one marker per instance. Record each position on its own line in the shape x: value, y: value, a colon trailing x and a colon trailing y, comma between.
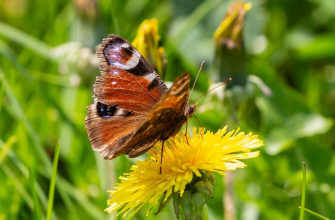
x: 160, y: 168
x: 186, y: 133
x: 198, y: 120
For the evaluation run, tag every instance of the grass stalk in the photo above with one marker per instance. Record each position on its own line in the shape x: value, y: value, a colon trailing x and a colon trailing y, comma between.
x: 316, y: 214
x: 53, y: 182
x: 303, y: 192
x: 25, y: 40
x: 32, y: 181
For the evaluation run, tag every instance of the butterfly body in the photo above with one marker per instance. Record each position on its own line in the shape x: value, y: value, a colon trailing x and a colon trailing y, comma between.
x: 133, y: 108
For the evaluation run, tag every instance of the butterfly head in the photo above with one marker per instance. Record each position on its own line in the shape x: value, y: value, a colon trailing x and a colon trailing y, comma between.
x: 190, y: 109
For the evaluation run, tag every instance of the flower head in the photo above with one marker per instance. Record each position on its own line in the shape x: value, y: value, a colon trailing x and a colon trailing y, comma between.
x: 147, y: 43
x: 184, y: 158
x: 230, y: 56
x: 229, y: 32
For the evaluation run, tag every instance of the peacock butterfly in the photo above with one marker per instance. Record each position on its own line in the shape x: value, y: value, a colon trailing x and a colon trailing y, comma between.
x: 133, y: 108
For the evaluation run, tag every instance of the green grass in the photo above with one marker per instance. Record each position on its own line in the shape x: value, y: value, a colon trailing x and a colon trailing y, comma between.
x: 303, y: 193
x: 52, y: 183
x: 46, y: 85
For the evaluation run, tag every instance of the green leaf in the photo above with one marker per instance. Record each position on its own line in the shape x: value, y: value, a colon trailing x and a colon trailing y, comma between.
x: 185, y: 204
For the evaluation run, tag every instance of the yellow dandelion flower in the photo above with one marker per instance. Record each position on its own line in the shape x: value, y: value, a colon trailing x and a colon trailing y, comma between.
x: 182, y: 159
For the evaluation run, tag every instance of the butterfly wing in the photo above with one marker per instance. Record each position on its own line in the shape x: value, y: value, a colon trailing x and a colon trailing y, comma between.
x: 164, y: 120
x: 125, y: 93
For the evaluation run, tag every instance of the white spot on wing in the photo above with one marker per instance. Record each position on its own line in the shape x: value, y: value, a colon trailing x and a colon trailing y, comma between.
x: 132, y: 62
x: 150, y: 77
x: 121, y: 112
x: 119, y: 65
x: 124, y: 45
x: 137, y: 54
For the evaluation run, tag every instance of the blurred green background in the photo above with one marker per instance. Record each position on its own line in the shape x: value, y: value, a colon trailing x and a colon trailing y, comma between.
x: 48, y: 66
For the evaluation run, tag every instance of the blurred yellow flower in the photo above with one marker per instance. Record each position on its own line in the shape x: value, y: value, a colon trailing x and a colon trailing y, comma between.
x: 147, y: 43
x: 229, y: 31
x: 182, y: 159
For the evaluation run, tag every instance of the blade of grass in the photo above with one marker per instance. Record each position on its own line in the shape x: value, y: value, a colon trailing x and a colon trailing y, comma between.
x: 65, y: 19
x: 1, y: 98
x: 115, y: 21
x: 102, y: 170
x: 18, y: 185
x: 63, y: 187
x: 25, y: 40
x: 316, y: 214
x: 37, y: 211
x: 163, y: 11
x: 5, y: 147
x: 19, y: 114
x: 82, y: 199
x: 302, y: 207
x: 24, y: 170
x: 8, y: 53
x: 53, y: 182
x: 303, y: 192
x: 52, y: 79
x: 194, y: 18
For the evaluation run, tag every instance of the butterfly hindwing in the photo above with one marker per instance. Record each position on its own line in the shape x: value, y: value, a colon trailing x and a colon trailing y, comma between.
x: 165, y: 119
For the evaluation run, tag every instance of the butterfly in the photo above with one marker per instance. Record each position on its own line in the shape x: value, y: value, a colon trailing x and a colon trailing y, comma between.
x: 133, y: 109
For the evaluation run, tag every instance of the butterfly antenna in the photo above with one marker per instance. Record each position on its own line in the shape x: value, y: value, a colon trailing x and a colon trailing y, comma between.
x: 202, y: 64
x: 212, y: 89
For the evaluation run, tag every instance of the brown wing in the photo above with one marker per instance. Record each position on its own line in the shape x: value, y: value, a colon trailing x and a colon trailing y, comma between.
x: 124, y: 95
x: 165, y: 119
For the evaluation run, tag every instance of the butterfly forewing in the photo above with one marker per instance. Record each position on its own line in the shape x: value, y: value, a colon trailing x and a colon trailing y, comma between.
x: 124, y: 95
